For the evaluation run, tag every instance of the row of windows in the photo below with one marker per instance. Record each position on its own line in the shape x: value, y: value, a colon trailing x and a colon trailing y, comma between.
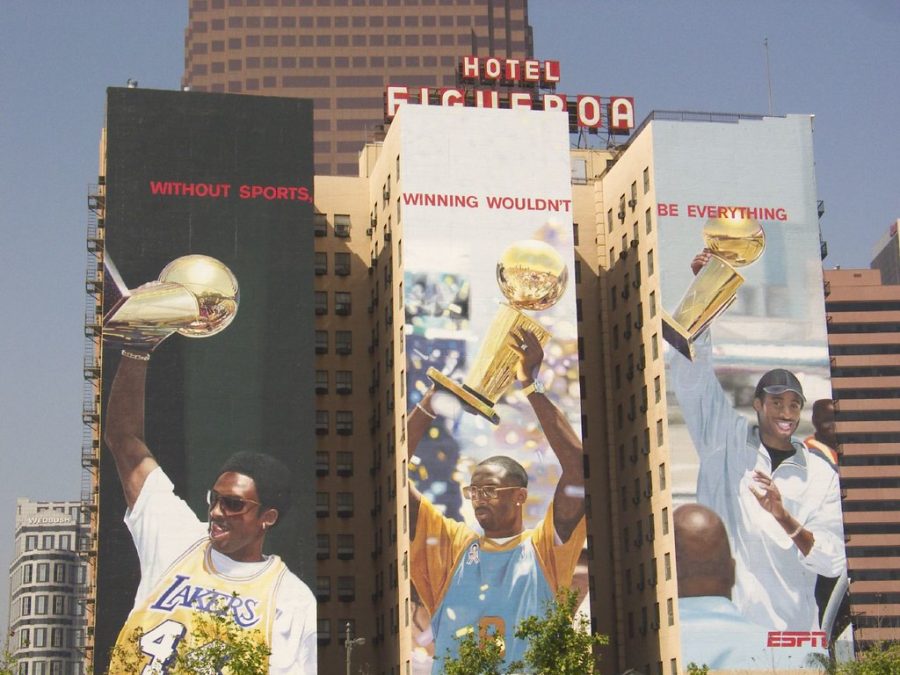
x: 343, y: 463
x: 203, y: 5
x: 632, y: 204
x: 864, y: 350
x: 343, y: 422
x: 867, y: 415
x: 43, y: 604
x: 340, y: 222
x: 648, y: 580
x: 654, y: 623
x: 342, y: 21
x: 49, y: 542
x: 54, y: 637
x: 345, y: 546
x: 646, y: 491
x: 54, y: 667
x: 343, y: 504
x: 865, y: 371
x: 640, y: 536
x: 343, y: 382
x: 343, y: 305
x: 342, y: 41
x: 41, y: 573
x: 345, y: 588
x: 343, y: 342
x: 341, y: 263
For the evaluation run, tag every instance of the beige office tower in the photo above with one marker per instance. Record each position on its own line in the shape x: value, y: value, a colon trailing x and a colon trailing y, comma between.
x: 863, y: 340
x: 342, y: 54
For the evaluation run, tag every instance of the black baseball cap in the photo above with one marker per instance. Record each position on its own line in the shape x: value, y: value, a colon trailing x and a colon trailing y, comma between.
x: 779, y: 381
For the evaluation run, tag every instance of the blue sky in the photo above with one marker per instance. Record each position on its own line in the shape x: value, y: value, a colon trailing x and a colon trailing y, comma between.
x: 836, y: 59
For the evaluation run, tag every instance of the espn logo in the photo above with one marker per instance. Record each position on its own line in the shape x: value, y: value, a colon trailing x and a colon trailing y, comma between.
x: 796, y: 638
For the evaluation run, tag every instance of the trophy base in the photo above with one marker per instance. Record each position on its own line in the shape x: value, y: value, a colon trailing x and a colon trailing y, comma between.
x: 677, y: 336
x: 472, y: 401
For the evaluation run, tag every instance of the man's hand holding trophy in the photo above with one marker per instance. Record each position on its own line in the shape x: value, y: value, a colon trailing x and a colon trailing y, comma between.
x: 195, y: 295
x: 531, y: 276
x: 730, y: 243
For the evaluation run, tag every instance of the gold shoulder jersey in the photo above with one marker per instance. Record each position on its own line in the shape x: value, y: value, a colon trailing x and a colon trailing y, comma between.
x: 166, y: 620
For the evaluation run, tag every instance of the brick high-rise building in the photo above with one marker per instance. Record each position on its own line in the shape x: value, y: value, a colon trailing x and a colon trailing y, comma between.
x: 342, y: 53
x: 863, y: 312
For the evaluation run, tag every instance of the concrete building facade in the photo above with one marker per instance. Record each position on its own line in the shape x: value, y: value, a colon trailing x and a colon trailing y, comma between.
x: 47, y: 579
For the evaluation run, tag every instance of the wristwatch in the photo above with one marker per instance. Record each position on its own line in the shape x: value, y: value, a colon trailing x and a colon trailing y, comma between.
x: 536, y: 386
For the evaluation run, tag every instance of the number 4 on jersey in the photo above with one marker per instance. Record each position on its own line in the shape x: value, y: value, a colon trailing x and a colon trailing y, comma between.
x: 160, y: 643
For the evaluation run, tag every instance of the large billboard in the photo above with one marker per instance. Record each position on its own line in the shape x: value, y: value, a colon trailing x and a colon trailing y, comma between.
x: 496, y: 472
x: 757, y: 520
x: 208, y: 213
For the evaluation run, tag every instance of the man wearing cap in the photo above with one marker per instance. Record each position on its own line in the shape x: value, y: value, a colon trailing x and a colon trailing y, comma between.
x: 780, y: 503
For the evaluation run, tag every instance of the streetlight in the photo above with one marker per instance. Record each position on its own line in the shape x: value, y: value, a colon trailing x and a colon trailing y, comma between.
x: 349, y: 644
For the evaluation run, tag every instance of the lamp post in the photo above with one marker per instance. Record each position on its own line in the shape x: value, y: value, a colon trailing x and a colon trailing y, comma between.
x: 349, y: 644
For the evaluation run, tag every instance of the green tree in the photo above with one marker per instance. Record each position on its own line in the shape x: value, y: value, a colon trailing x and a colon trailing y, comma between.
x: 559, y: 643
x: 217, y: 644
x: 8, y: 662
x: 880, y: 659
x: 476, y: 655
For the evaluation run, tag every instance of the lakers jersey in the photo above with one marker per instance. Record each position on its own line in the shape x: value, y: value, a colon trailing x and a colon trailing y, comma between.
x: 166, y: 621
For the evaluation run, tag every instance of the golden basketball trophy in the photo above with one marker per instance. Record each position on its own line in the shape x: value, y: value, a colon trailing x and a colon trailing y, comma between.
x: 733, y: 243
x: 195, y: 295
x: 531, y: 275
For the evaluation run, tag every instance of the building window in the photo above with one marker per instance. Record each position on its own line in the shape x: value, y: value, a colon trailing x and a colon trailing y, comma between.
x: 40, y: 604
x: 56, y: 638
x: 344, y: 463
x: 665, y: 521
x: 346, y: 589
x: 323, y: 631
x: 609, y: 221
x: 323, y: 546
x: 657, y: 389
x: 321, y: 381
x: 320, y: 265
x: 343, y: 342
x: 323, y: 589
x: 40, y: 637
x: 43, y: 572
x: 662, y: 476
x: 650, y: 265
x: 648, y: 221
x: 31, y: 542
x: 670, y: 611
x: 652, y: 303
x: 343, y: 382
x: 342, y: 303
x: 47, y: 542
x: 59, y: 573
x: 321, y: 302
x: 323, y: 504
x: 320, y: 224
x: 341, y: 225
x: 659, y: 433
x: 346, y: 547
x: 323, y: 463
x: 26, y: 574
x: 26, y: 606
x: 343, y: 422
x: 667, y: 565
x: 654, y: 347
x: 321, y: 342
x: 322, y: 423
x: 345, y: 504
x: 646, y: 180
x: 342, y: 264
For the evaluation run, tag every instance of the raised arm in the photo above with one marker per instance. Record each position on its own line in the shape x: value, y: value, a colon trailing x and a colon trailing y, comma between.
x: 568, y: 500
x: 417, y: 422
x: 124, y: 425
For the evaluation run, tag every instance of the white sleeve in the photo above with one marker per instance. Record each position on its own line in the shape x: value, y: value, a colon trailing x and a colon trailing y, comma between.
x: 294, y: 644
x: 162, y: 527
x: 709, y: 415
x: 827, y: 556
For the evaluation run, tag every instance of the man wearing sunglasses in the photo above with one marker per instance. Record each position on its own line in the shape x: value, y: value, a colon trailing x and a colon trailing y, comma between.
x: 190, y: 569
x: 491, y: 582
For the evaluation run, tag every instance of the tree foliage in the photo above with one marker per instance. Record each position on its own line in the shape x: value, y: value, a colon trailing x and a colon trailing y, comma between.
x: 559, y: 643
x: 8, y: 662
x: 217, y: 644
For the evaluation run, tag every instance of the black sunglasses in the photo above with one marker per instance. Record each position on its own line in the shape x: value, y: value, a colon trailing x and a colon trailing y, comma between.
x: 230, y: 506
